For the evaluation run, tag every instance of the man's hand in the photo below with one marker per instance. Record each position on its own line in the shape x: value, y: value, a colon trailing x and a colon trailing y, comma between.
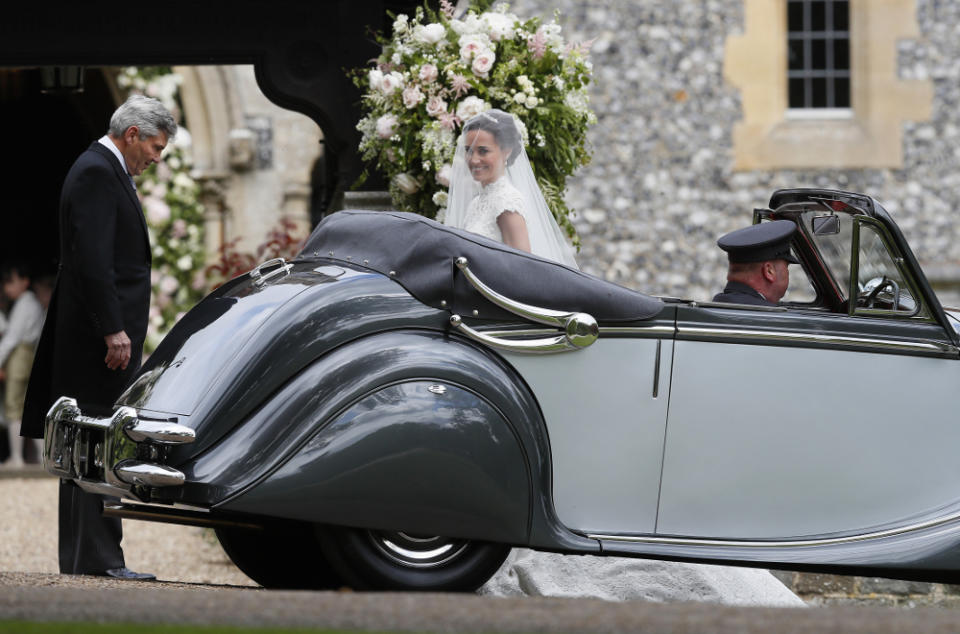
x: 118, y: 350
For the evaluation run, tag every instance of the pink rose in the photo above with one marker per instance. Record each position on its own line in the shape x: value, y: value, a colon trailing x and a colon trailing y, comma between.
x: 386, y: 126
x: 436, y: 106
x: 443, y: 175
x: 483, y: 62
x: 179, y: 228
x: 428, y: 73
x: 412, y: 96
x: 158, y: 212
x: 391, y: 82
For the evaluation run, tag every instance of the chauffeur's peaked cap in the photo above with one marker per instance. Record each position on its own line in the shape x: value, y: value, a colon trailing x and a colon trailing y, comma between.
x: 759, y: 243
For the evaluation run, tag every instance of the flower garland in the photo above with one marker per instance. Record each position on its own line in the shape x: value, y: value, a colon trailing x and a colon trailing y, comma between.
x: 170, y: 199
x: 437, y: 71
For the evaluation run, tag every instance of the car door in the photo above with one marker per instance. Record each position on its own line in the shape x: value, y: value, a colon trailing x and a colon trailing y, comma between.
x: 605, y: 409
x: 788, y: 424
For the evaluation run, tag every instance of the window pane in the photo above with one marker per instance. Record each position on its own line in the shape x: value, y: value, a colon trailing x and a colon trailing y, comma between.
x: 795, y: 16
x: 796, y: 93
x: 818, y: 54
x: 841, y: 54
x: 818, y: 90
x: 841, y: 15
x: 841, y: 89
x: 795, y: 55
x: 818, y: 15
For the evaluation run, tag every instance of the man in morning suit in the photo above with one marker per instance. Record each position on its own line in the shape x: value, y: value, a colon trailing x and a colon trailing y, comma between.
x: 92, y: 339
x: 758, y: 273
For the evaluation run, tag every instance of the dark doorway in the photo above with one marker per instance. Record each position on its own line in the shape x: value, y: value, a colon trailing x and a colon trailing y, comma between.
x: 43, y: 133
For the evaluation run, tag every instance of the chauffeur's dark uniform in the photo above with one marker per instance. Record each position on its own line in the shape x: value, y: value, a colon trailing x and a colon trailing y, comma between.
x: 756, y: 243
x: 103, y: 287
x: 739, y: 293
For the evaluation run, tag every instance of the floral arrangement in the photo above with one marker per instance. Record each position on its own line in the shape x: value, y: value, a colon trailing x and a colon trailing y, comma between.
x: 170, y: 199
x: 436, y: 71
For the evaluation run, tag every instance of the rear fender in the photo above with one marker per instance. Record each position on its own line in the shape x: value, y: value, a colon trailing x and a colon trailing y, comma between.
x: 403, y: 430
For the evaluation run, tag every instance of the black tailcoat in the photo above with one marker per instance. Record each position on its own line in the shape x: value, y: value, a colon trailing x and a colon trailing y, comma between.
x: 103, y: 287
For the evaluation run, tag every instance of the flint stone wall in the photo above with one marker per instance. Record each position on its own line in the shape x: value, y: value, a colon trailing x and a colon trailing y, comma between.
x: 661, y: 187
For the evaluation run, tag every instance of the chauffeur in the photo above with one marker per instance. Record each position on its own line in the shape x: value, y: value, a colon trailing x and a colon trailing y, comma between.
x: 758, y: 257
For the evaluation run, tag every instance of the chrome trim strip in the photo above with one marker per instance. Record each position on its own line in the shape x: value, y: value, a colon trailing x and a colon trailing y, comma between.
x: 792, y: 543
x: 885, y: 344
x: 557, y: 343
x: 666, y: 331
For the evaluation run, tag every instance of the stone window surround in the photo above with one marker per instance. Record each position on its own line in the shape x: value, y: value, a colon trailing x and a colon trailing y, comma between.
x: 771, y: 136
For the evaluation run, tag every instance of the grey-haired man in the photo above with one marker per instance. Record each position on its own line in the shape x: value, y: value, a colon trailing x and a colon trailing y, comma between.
x: 93, y: 337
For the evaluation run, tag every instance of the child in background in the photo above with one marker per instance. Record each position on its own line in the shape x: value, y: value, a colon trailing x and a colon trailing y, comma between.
x: 16, y: 352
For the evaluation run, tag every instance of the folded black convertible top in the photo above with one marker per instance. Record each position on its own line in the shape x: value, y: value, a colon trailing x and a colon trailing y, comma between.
x: 419, y: 253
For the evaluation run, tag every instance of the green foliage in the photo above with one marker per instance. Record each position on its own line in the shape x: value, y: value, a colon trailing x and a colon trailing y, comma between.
x: 170, y: 199
x: 436, y: 72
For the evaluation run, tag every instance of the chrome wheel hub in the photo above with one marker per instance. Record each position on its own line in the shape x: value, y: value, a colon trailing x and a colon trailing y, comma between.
x: 416, y: 551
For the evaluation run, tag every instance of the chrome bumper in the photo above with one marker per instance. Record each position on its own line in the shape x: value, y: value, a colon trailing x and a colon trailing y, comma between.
x: 121, y: 455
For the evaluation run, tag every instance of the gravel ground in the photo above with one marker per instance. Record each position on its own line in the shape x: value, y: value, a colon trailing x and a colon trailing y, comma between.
x: 28, y: 539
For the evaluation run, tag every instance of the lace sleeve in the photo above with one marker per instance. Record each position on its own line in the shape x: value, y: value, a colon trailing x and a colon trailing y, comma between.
x: 509, y: 198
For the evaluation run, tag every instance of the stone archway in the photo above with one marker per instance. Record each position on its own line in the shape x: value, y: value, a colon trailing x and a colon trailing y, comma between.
x: 252, y: 158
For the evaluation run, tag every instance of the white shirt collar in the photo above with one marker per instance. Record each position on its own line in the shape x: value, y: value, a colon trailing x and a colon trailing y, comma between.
x: 107, y: 143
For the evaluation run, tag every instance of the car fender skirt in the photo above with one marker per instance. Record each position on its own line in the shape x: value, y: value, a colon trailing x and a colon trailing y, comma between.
x: 419, y: 456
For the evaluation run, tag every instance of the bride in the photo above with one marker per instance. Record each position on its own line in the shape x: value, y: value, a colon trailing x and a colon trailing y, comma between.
x: 493, y: 191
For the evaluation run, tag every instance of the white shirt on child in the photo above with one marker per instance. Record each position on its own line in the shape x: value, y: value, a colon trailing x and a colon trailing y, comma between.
x: 26, y: 322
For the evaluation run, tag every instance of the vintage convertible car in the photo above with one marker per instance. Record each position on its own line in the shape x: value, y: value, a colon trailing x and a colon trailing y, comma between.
x: 404, y: 402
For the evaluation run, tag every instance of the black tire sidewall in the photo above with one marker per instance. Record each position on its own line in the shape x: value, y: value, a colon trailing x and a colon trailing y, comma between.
x: 365, y: 567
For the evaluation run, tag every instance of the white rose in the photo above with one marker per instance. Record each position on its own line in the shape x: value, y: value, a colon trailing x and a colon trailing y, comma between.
x: 375, y: 77
x: 520, y: 97
x: 440, y: 199
x: 386, y: 126
x: 185, y: 263
x: 391, y: 82
x: 531, y: 102
x: 470, y: 107
x: 436, y: 106
x: 430, y: 33
x: 412, y: 96
x: 428, y: 73
x: 483, y: 62
x: 499, y: 25
x: 443, y: 175
x: 407, y: 184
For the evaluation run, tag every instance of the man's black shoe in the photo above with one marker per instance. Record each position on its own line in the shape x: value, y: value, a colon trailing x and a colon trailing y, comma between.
x: 126, y: 573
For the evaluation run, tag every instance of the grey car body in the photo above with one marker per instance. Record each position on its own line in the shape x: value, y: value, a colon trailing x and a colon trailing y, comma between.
x: 404, y: 401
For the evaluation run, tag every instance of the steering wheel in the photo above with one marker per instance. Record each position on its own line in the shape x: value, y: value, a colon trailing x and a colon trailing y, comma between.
x: 870, y: 298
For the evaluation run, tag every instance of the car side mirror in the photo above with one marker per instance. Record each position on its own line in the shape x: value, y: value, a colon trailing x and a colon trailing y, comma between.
x: 825, y: 225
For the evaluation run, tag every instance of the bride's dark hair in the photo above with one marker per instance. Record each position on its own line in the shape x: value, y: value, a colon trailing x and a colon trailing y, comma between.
x: 502, y: 127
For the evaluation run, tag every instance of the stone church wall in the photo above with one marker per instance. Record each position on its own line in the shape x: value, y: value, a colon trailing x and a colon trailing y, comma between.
x: 662, y: 187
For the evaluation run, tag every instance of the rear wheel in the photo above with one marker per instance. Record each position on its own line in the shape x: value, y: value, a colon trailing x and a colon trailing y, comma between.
x: 394, y: 560
x: 282, y: 555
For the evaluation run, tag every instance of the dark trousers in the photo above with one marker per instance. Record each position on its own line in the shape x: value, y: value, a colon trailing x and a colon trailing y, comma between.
x: 89, y: 542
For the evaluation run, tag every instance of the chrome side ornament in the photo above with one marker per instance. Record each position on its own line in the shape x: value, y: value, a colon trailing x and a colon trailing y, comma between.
x: 149, y: 475
x: 579, y: 330
x: 160, y: 432
x: 260, y: 278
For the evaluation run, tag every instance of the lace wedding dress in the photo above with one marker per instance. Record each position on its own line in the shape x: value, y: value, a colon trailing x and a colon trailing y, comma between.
x: 493, y: 200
